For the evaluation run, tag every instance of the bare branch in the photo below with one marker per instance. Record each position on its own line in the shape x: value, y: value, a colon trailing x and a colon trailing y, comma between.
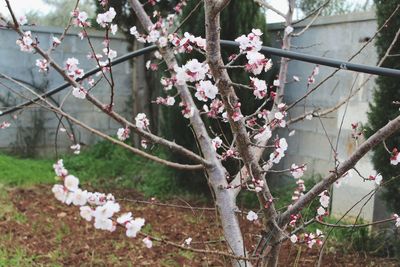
x: 113, y: 114
x: 370, y: 143
x: 105, y: 136
x: 270, y: 7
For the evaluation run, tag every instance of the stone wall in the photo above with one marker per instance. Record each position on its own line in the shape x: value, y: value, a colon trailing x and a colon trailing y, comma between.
x: 34, y: 129
x: 336, y: 37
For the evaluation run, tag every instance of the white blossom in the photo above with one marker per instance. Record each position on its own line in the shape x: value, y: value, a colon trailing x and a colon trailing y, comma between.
x: 252, y: 216
x: 86, y: 213
x: 134, y: 226
x: 147, y: 242
x: 71, y: 182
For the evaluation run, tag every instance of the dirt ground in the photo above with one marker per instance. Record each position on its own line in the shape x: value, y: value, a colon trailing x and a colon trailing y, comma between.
x: 37, y: 230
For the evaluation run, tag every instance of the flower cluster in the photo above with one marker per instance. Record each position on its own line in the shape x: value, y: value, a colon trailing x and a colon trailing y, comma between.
x: 250, y: 45
x: 309, y: 239
x: 280, y: 148
x: 312, y: 239
x: 79, y: 92
x: 260, y: 87
x: 76, y: 148
x: 26, y: 42
x: 72, y: 70
x: 217, y: 142
x: 42, y: 64
x: 187, y: 110
x: 299, y: 191
x: 94, y: 205
x: 263, y: 133
x: 237, y: 114
x: 123, y: 133
x: 395, y: 157
x: 104, y: 19
x: 80, y: 18
x: 375, y: 177
x: 187, y: 43
x: 216, y: 107
x: 192, y: 71
x: 167, y: 101
x: 297, y: 171
x: 168, y: 83
x: 397, y: 220
x: 324, y: 201
x: 141, y: 121
x: 205, y: 90
x: 279, y: 117
x: 4, y: 125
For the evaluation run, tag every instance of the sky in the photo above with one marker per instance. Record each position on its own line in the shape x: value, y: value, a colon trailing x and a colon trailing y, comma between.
x: 22, y: 6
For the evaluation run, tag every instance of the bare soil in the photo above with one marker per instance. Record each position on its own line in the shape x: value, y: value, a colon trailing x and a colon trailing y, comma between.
x: 53, y: 234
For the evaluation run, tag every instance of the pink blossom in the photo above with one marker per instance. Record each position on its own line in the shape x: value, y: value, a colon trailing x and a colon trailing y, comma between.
x: 187, y: 110
x: 205, y: 90
x: 79, y: 92
x: 297, y: 171
x: 324, y: 199
x: 141, y: 121
x: 25, y: 43
x: 260, y: 87
x: 123, y: 133
x: 217, y: 142
x: 42, y: 64
x: 103, y: 19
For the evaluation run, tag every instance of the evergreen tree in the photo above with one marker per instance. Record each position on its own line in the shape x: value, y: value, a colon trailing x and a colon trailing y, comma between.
x: 382, y: 110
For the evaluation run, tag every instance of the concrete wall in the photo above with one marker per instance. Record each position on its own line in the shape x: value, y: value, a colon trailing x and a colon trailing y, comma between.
x: 336, y: 37
x: 34, y: 129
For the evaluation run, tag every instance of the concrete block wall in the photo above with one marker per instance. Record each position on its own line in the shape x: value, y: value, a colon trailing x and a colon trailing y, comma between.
x: 336, y: 37
x: 21, y: 66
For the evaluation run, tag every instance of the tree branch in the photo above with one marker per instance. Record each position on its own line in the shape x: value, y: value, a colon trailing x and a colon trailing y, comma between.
x: 370, y: 143
x: 105, y: 136
x: 270, y: 7
x: 149, y: 136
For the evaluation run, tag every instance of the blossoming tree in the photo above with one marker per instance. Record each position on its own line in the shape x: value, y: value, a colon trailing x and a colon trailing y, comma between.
x: 204, y: 90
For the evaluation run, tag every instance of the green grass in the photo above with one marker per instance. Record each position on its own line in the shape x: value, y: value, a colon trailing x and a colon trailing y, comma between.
x: 17, y: 258
x: 103, y: 165
x: 15, y: 171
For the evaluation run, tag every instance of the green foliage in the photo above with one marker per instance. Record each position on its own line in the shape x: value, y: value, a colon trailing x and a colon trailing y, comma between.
x: 16, y: 171
x: 17, y: 258
x: 109, y: 165
x: 335, y: 7
x: 382, y: 110
x: 103, y: 165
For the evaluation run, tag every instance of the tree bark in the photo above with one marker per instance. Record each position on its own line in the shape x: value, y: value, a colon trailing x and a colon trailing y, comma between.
x: 225, y: 198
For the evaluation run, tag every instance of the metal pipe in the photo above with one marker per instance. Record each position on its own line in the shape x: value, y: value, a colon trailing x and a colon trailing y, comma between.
x: 264, y: 50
